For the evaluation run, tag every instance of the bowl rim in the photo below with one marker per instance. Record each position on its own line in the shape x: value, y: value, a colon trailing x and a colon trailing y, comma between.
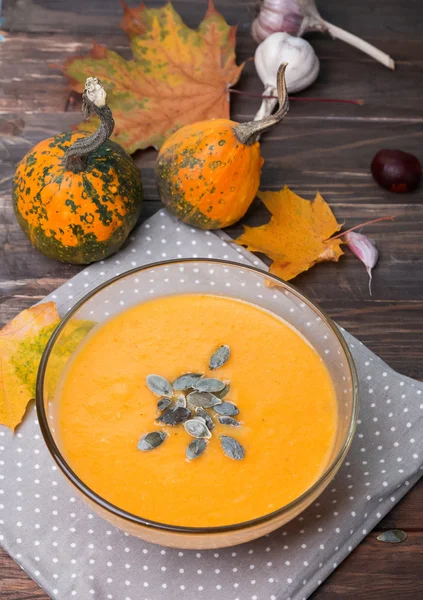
x: 104, y: 504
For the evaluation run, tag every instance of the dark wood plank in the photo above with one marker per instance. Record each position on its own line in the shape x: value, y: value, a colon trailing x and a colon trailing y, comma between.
x: 407, y: 514
x: 15, y: 584
x: 374, y: 21
x: 376, y: 570
x: 390, y: 97
x: 60, y: 16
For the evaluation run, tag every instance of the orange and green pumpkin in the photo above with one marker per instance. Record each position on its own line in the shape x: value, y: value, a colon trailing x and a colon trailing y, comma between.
x: 208, y: 173
x: 78, y: 197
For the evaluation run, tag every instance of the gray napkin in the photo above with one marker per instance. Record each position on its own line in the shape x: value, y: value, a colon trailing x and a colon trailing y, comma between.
x: 72, y: 553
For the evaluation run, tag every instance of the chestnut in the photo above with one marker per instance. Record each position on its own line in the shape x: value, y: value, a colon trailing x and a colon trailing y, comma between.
x: 396, y: 170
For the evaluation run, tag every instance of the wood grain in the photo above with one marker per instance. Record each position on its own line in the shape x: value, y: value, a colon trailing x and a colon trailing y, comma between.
x: 393, y: 100
x: 376, y: 570
x: 319, y: 146
x: 388, y: 20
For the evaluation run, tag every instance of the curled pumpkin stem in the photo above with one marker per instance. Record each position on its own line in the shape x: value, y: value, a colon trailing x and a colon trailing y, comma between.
x: 248, y: 133
x: 93, y: 101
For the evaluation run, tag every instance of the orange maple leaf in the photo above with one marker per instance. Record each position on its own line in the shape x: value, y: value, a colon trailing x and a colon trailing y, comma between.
x: 296, y: 237
x: 177, y: 75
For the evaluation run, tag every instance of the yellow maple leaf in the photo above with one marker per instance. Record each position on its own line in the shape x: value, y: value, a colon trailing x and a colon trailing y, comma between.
x: 177, y: 76
x: 22, y: 342
x: 296, y: 237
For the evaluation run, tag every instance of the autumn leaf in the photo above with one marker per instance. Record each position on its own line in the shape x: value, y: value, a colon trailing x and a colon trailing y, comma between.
x: 177, y: 75
x: 296, y: 237
x: 22, y: 342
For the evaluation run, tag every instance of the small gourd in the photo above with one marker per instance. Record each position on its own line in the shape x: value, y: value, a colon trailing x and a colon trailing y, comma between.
x: 208, y: 173
x: 77, y: 196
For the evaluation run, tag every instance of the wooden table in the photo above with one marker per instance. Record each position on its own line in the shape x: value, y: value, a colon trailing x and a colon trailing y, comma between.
x: 321, y: 146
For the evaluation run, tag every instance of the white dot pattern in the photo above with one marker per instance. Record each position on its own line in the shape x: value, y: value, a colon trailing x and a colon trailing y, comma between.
x: 71, y: 552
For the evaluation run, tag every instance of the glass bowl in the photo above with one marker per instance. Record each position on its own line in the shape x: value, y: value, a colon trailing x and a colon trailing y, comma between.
x: 220, y: 278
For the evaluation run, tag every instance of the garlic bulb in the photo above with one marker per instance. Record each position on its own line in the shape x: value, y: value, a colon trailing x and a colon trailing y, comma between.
x: 303, y: 64
x: 302, y: 70
x: 276, y: 15
x: 300, y: 16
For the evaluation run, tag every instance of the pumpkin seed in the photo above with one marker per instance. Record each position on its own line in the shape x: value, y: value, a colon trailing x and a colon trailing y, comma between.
x: 159, y: 385
x: 224, y: 392
x: 152, y: 440
x: 174, y: 415
x: 201, y: 412
x: 201, y: 419
x: 198, y: 393
x: 204, y: 399
x: 209, y: 385
x: 224, y: 420
x: 195, y: 449
x: 227, y: 409
x: 181, y: 401
x: 197, y: 429
x: 393, y: 536
x: 163, y: 403
x: 187, y: 381
x: 219, y: 357
x: 232, y: 447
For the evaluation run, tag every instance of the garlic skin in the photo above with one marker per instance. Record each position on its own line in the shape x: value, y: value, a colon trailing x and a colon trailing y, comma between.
x: 365, y: 250
x: 302, y: 70
x: 277, y: 15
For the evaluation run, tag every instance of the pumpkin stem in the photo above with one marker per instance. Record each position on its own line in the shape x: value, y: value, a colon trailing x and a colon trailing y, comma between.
x: 248, y: 133
x: 93, y: 100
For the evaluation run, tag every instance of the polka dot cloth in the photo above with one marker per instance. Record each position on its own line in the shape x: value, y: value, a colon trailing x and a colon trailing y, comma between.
x: 72, y: 553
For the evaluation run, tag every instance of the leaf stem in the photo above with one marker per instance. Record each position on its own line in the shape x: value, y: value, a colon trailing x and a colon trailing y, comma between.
x: 296, y: 98
x: 335, y: 237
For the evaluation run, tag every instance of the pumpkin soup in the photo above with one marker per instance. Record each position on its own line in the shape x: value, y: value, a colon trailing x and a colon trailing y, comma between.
x: 197, y: 410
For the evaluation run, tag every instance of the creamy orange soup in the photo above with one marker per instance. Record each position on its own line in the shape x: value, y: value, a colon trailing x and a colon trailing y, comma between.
x: 284, y: 393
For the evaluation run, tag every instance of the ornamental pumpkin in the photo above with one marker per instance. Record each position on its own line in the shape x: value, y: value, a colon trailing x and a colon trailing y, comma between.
x: 77, y: 197
x: 208, y: 173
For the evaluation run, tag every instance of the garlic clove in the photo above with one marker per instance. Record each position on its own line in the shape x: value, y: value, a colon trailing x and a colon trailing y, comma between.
x: 365, y: 250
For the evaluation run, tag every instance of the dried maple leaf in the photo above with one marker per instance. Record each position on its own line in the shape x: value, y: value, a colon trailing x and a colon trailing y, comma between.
x: 178, y: 75
x: 22, y: 342
x: 296, y: 237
